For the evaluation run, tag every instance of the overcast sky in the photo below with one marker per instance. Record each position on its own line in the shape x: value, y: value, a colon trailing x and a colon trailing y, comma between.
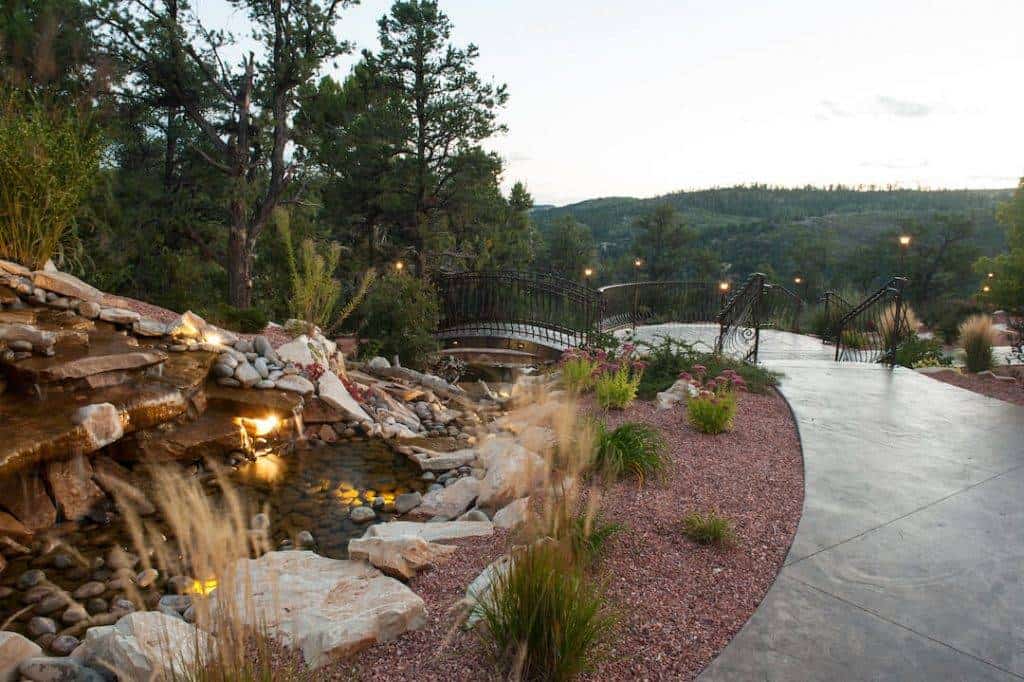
x: 645, y: 97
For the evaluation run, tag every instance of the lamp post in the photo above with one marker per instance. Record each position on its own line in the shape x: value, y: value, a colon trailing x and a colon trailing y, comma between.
x: 904, y: 243
x: 587, y: 274
x: 399, y: 266
x: 637, y: 263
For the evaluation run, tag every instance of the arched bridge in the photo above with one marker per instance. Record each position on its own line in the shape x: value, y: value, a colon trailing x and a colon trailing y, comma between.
x: 543, y: 313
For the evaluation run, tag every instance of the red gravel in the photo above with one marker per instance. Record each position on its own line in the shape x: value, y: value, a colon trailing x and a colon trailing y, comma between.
x: 678, y: 603
x: 1010, y: 391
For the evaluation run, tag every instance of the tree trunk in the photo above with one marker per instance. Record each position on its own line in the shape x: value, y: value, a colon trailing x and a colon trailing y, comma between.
x: 239, y: 260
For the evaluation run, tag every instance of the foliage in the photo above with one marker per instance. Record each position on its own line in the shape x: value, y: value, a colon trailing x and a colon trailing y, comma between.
x: 314, y: 290
x: 398, y: 317
x: 632, y: 449
x: 569, y: 249
x: 854, y: 339
x: 667, y: 358
x: 709, y: 529
x: 945, y: 316
x: 664, y: 243
x: 588, y: 535
x: 543, y: 618
x: 244, y: 320
x: 713, y: 409
x: 618, y: 378
x: 48, y: 164
x: 893, y: 330
x: 918, y: 352
x: 1006, y: 286
x: 977, y: 337
x: 579, y: 368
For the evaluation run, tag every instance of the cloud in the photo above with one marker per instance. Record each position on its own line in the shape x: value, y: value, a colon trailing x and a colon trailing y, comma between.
x: 895, y: 164
x: 902, y: 108
x: 831, y: 110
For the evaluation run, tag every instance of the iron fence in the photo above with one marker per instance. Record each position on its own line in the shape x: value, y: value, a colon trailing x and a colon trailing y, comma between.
x: 873, y: 330
x: 634, y: 303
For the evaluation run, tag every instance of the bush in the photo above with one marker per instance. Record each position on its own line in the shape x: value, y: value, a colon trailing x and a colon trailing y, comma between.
x: 977, y: 336
x: 945, y: 317
x: 616, y: 390
x: 918, y: 352
x: 709, y: 529
x: 244, y: 320
x: 400, y: 315
x: 543, y: 619
x: 713, y: 409
x: 49, y: 163
x: 893, y: 330
x: 668, y: 358
x: 578, y: 370
x: 588, y: 535
x: 632, y: 449
x: 851, y: 338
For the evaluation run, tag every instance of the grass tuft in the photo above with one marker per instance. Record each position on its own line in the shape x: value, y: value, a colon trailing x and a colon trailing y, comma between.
x: 977, y: 337
x: 709, y: 529
x: 632, y: 449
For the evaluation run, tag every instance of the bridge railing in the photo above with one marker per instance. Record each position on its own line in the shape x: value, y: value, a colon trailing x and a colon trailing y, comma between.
x: 874, y: 330
x: 516, y: 304
x: 633, y: 303
x: 833, y: 308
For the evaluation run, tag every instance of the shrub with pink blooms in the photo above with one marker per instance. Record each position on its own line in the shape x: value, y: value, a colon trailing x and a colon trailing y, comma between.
x: 579, y: 369
x: 713, y: 408
x: 618, y: 378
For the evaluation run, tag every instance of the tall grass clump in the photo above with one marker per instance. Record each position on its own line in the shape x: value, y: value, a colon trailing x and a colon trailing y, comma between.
x: 632, y: 449
x: 49, y: 162
x: 894, y: 329
x: 709, y: 529
x: 578, y: 369
x: 977, y: 337
x: 714, y: 407
x: 544, y: 619
x: 210, y: 535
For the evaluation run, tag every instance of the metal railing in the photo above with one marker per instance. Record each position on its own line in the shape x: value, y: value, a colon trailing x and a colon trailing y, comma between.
x: 873, y: 330
x: 739, y: 330
x: 834, y: 307
x: 634, y: 303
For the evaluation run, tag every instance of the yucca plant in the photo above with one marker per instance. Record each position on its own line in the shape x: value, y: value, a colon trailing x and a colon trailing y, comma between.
x: 49, y: 161
x: 709, y: 529
x: 632, y: 449
x: 977, y: 337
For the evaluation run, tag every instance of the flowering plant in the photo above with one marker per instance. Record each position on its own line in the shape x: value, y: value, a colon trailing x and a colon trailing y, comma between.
x: 618, y: 378
x: 579, y: 368
x: 313, y: 371
x: 713, y: 409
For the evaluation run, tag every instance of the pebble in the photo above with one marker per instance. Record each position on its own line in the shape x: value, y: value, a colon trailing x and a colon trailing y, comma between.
x: 64, y: 645
x: 89, y: 589
x: 36, y: 594
x: 428, y: 476
x: 118, y: 558
x: 230, y: 382
x: 362, y: 514
x: 179, y: 584
x: 147, y: 577
x: 407, y: 501
x: 435, y: 486
x: 31, y: 578
x: 40, y: 625
x: 260, y: 522
x: 176, y: 602
x: 122, y: 606
x: 6, y: 592
x: 97, y: 605
x: 51, y: 603
x: 305, y: 540
x: 74, y: 614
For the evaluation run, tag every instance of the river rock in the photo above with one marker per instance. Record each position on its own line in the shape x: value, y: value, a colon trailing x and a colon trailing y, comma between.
x: 40, y: 625
x: 93, y: 588
x: 432, y: 532
x: 450, y: 501
x: 148, y: 327
x: 144, y: 645
x: 296, y: 351
x: 378, y: 363
x: 188, y: 325
x: 362, y: 514
x: 63, y: 669
x: 101, y: 423
x: 326, y: 608
x: 40, y: 340
x: 333, y: 392
x: 262, y: 346
x: 120, y: 316
x: 72, y: 486
x: 513, y: 514
x: 246, y: 374
x: 295, y: 384
x: 401, y: 557
x: 66, y: 285
x: 13, y: 650
x: 89, y: 309
x: 13, y: 268
x: 407, y: 502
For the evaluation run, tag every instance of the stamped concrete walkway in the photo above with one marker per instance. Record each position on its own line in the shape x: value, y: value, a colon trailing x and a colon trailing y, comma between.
x: 908, y: 563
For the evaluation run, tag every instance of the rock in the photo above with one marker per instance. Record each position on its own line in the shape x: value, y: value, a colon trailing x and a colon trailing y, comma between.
x: 246, y: 374
x: 147, y: 577
x: 401, y: 557
x: 474, y: 515
x: 295, y: 384
x: 13, y: 528
x: 512, y: 514
x: 260, y: 365
x: 262, y: 346
x: 326, y: 608
x: 51, y: 603
x: 148, y: 327
x: 31, y: 578
x: 677, y: 393
x: 297, y: 351
x: 176, y: 602
x: 24, y: 495
x: 74, y: 614
x: 326, y: 434
x: 189, y: 326
x: 101, y: 422
x: 378, y: 363
x: 13, y: 268
x: 265, y: 384
x: 72, y: 486
x: 90, y: 589
x: 64, y: 645
x: 117, y: 481
x: 64, y: 669
x: 13, y: 650
x: 429, y: 460
x: 118, y: 559
x: 39, y: 340
x: 407, y: 502
x: 230, y: 382
x: 39, y: 625
x: 260, y: 522
x: 362, y: 514
x: 445, y: 530
x: 89, y: 309
x: 481, y: 587
x: 333, y: 392
x: 96, y: 605
x: 66, y: 285
x: 451, y: 501
x: 512, y: 472
x: 145, y: 645
x: 120, y: 316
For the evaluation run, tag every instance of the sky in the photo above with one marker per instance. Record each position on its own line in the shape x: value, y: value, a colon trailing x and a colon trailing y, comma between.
x: 647, y: 97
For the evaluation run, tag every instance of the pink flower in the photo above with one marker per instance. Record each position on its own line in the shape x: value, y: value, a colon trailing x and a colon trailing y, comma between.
x: 700, y: 370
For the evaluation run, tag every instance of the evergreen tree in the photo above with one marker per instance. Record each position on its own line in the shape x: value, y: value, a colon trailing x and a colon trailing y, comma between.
x: 663, y: 241
x: 570, y: 248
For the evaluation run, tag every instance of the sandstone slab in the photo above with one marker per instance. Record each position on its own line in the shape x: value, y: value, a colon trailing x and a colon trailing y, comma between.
x: 13, y: 528
x: 101, y: 423
x: 72, y: 486
x: 326, y: 608
x: 401, y: 557
x: 144, y: 645
x: 295, y: 384
x: 432, y: 532
x: 66, y: 285
x: 512, y: 472
x: 430, y: 460
x: 119, y: 316
x: 297, y: 351
x: 449, y: 501
x: 24, y: 495
x: 333, y: 392
x: 13, y: 650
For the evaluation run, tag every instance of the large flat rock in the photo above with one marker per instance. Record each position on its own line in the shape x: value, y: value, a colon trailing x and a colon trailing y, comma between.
x: 327, y: 608
x: 48, y: 370
x: 66, y: 285
x: 432, y: 532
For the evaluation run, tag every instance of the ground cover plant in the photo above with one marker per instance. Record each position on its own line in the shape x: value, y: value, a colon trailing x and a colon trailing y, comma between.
x: 709, y: 529
x: 667, y: 358
x: 713, y: 409
x: 632, y: 449
x: 618, y: 378
x: 919, y: 352
x: 579, y: 367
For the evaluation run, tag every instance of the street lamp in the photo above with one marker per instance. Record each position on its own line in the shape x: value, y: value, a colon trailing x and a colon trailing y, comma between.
x: 723, y: 286
x: 798, y: 280
x: 986, y: 288
x: 637, y: 263
x: 991, y: 275
x: 399, y: 265
x: 904, y: 243
x: 588, y: 272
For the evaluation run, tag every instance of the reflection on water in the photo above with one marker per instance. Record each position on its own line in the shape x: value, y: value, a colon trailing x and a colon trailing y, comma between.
x: 315, y: 489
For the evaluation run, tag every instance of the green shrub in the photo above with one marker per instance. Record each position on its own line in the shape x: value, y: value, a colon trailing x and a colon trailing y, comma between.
x: 977, y: 337
x: 709, y: 529
x: 667, y: 358
x: 632, y: 449
x: 543, y: 618
x: 589, y: 534
x: 244, y: 320
x: 851, y: 338
x: 399, y: 317
x: 918, y: 352
x: 616, y: 390
x: 578, y: 370
x: 49, y: 163
x: 713, y: 409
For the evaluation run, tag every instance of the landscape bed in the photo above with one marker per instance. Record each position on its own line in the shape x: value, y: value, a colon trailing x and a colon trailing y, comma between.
x: 1010, y: 391
x: 678, y: 603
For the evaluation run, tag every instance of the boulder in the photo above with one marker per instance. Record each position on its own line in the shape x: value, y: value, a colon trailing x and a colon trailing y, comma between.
x: 297, y: 351
x: 333, y: 392
x: 66, y: 285
x: 13, y: 528
x: 148, y: 327
x: 143, y: 645
x: 101, y: 423
x: 316, y: 411
x: 119, y: 316
x: 481, y: 587
x: 62, y: 669
x: 13, y: 650
x: 12, y: 268
x: 401, y: 557
x: 450, y: 501
x: 677, y: 393
x: 89, y: 309
x: 432, y: 532
x: 247, y: 375
x: 513, y: 514
x: 429, y: 460
x: 72, y: 486
x: 378, y: 363
x: 24, y: 495
x: 188, y: 325
x: 326, y: 608
x: 512, y: 472
x: 295, y: 384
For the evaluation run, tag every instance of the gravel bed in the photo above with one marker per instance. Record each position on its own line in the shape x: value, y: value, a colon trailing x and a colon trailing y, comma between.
x: 678, y: 603
x: 1010, y: 391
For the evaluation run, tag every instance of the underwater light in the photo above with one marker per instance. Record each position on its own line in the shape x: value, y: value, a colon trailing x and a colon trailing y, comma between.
x: 257, y: 426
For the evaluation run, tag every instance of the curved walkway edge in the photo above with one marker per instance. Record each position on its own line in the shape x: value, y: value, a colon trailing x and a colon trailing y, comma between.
x: 908, y: 563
